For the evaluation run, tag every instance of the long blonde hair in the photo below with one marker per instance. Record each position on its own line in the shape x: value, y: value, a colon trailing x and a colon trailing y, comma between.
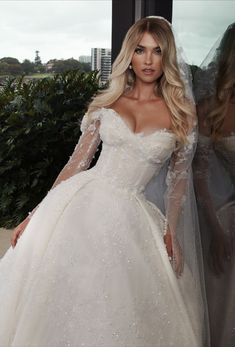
x: 170, y: 86
x: 225, y: 82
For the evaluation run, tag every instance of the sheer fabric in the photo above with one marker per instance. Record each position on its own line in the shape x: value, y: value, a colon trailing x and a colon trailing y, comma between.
x: 84, y: 151
x: 214, y: 171
x: 178, y: 193
x: 216, y: 203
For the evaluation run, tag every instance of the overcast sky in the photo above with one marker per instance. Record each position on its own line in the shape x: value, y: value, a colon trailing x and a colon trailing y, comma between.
x: 200, y: 23
x: 65, y: 29
x: 58, y: 29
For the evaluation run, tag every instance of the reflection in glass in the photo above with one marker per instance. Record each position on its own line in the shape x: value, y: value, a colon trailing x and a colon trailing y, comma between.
x: 214, y: 171
x: 200, y: 23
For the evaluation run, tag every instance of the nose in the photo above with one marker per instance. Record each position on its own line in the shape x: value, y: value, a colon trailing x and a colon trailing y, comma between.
x: 148, y: 58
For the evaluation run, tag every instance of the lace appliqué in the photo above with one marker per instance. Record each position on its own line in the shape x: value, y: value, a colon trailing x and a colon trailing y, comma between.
x: 86, y: 148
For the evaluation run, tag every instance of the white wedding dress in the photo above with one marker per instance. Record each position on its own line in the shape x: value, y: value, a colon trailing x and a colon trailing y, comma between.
x: 91, y: 268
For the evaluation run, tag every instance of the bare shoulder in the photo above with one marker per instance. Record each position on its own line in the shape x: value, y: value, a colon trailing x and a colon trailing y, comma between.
x: 121, y: 104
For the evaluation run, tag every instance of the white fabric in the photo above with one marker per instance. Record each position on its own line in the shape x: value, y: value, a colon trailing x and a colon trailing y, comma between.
x: 91, y: 269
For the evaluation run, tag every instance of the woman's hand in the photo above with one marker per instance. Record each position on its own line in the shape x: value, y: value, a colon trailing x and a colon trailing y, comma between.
x: 178, y: 259
x: 174, y: 252
x: 18, y: 231
x: 168, y: 242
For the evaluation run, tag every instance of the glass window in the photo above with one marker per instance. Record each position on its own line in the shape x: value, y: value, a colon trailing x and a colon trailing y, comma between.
x: 199, y: 24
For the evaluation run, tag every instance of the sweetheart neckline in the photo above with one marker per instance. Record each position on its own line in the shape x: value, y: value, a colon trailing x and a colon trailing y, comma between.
x: 141, y: 134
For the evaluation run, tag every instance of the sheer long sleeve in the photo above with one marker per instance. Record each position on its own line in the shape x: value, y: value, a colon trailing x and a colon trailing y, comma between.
x: 180, y: 208
x: 183, y: 225
x: 84, y: 151
x: 178, y: 179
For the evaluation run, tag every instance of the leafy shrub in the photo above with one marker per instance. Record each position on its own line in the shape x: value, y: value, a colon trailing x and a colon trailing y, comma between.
x: 39, y: 128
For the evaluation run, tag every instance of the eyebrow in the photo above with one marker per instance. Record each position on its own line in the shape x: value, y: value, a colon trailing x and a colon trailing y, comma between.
x: 140, y: 46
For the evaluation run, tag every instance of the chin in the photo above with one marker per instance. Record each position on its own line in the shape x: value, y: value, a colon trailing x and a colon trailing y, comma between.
x: 148, y: 80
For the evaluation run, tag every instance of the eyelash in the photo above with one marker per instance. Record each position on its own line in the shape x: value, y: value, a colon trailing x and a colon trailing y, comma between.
x: 158, y: 50
x: 140, y: 50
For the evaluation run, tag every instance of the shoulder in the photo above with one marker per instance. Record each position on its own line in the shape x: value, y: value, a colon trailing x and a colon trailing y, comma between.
x: 121, y: 102
x: 91, y: 118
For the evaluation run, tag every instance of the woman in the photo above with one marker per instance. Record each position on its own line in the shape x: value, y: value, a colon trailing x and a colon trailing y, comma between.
x: 215, y: 184
x: 91, y: 267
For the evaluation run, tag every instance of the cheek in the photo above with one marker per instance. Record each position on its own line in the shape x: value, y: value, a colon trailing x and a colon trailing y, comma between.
x: 158, y: 66
x: 158, y: 62
x: 136, y: 60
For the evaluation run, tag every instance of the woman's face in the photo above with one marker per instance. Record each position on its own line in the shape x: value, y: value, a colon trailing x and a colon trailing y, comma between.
x: 147, y: 59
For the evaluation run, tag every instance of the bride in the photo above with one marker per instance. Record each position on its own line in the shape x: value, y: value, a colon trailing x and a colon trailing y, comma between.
x: 97, y: 263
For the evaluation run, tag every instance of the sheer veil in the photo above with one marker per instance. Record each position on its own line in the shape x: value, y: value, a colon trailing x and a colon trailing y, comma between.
x: 214, y: 81
x: 214, y: 85
x: 173, y: 192
x: 214, y: 172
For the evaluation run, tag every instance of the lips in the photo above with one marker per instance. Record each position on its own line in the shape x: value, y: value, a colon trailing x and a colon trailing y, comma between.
x: 148, y: 71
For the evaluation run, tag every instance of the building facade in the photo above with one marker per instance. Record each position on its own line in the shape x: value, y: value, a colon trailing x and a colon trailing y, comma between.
x: 84, y: 59
x: 101, y: 60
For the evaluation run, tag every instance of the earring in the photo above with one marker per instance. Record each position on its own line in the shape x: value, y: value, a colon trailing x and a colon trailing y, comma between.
x: 130, y: 66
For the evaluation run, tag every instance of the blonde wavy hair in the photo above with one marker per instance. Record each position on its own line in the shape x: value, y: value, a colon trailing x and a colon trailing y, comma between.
x: 169, y: 86
x: 225, y: 82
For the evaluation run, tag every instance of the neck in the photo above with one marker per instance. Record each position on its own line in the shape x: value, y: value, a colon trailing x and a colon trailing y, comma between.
x: 143, y: 91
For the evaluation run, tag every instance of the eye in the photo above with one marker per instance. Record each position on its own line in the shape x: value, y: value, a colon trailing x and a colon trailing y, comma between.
x: 158, y: 50
x: 139, y: 50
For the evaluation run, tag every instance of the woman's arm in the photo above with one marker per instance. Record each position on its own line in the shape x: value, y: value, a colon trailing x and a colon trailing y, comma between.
x: 83, y: 153
x: 178, y: 196
x: 79, y: 161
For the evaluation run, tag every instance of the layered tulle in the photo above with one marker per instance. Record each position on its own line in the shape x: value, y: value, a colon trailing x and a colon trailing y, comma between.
x: 92, y: 270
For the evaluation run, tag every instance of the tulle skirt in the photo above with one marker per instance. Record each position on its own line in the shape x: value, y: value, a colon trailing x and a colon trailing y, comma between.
x: 91, y: 269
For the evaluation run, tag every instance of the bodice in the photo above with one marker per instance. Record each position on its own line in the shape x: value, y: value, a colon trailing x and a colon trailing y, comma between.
x: 131, y: 159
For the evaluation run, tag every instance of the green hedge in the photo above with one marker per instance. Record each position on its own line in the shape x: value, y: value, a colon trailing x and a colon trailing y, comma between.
x: 39, y: 128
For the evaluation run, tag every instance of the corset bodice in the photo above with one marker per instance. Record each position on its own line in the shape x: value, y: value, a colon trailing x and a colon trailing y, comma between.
x: 130, y: 159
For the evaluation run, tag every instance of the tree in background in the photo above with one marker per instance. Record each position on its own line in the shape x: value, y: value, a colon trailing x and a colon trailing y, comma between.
x: 59, y: 66
x: 39, y: 67
x: 37, y: 60
x: 10, y: 66
x: 27, y: 67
